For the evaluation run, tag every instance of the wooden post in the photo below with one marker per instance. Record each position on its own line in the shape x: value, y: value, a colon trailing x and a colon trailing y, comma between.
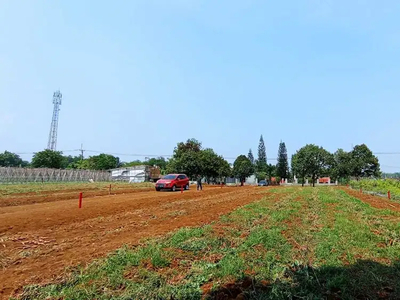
x: 389, y: 195
x: 181, y: 189
x: 109, y: 190
x: 80, y: 199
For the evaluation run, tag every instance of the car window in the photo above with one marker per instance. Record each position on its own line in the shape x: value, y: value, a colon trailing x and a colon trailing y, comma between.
x: 169, y: 177
x: 181, y: 177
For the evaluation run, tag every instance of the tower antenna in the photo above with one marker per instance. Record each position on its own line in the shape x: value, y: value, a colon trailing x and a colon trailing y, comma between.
x: 52, y: 144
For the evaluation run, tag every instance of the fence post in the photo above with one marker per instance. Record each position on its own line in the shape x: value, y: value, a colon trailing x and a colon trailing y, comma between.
x: 181, y: 189
x: 360, y: 190
x: 109, y: 190
x: 389, y: 195
x: 80, y: 199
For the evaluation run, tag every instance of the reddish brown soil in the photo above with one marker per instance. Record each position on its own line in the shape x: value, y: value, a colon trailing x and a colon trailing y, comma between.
x: 52, y: 196
x: 374, y: 201
x: 37, y: 242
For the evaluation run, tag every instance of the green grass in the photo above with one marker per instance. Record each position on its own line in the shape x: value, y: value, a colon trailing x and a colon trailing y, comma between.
x: 381, y: 186
x: 295, y: 243
x: 11, y: 189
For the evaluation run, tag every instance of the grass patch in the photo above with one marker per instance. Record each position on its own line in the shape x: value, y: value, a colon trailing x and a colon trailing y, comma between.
x: 295, y: 243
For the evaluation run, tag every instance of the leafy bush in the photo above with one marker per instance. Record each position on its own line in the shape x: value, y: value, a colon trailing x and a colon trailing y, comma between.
x: 381, y: 186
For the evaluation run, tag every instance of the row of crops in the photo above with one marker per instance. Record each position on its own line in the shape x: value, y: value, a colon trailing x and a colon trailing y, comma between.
x: 379, y: 186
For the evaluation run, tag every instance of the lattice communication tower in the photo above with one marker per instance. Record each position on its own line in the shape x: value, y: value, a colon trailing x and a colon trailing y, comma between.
x: 52, y: 144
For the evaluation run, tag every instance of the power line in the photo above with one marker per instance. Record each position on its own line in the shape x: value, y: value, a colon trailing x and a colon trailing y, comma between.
x: 386, y: 153
x: 81, y: 150
x: 150, y: 155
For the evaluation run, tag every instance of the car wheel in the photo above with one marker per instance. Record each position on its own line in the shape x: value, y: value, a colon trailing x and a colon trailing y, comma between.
x: 173, y: 188
x: 158, y: 189
x: 187, y: 187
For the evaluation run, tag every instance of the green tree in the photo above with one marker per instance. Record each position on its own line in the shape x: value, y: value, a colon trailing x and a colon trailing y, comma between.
x: 271, y: 171
x: 99, y: 162
x: 104, y: 162
x: 186, y: 159
x: 85, y: 164
x: 48, y: 159
x: 312, y: 161
x: 159, y: 162
x: 9, y: 159
x: 210, y: 163
x: 224, y: 168
x: 282, y: 166
x: 133, y: 163
x: 250, y: 156
x: 342, y: 165
x: 70, y: 162
x: 363, y: 162
x: 299, y: 166
x: 213, y: 166
x: 261, y: 163
x: 191, y: 159
x: 261, y: 175
x: 242, y: 168
x: 191, y: 145
x: 189, y: 164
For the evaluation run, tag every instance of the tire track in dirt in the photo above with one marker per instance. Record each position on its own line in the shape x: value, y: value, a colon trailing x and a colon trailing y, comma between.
x: 39, y: 241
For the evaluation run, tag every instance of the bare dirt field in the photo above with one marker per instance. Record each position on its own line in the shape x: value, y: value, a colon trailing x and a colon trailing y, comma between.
x: 39, y: 241
x: 15, y: 195
x: 297, y: 243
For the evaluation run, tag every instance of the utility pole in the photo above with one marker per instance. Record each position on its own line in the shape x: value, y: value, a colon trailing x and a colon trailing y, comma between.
x: 81, y: 151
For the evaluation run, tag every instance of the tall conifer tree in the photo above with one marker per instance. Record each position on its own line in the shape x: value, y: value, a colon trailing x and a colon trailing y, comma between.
x: 282, y: 166
x: 262, y: 157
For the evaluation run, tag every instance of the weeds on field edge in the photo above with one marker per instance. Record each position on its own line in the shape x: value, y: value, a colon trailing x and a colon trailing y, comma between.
x: 379, y: 186
x: 294, y: 243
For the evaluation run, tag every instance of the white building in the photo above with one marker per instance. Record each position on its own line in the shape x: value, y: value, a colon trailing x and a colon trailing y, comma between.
x: 251, y: 180
x: 131, y: 174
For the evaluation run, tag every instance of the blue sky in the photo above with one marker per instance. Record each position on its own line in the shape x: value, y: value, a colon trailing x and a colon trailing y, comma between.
x: 140, y: 76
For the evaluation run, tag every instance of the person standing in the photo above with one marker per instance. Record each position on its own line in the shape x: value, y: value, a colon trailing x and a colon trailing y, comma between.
x: 199, y: 185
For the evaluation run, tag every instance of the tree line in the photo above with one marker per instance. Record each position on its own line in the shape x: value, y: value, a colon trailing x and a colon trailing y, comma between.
x: 56, y: 160
x: 262, y: 169
x: 310, y: 162
x: 245, y: 166
x: 190, y: 157
x: 313, y: 162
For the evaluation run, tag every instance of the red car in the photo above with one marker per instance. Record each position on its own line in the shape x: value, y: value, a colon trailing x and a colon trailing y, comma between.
x: 173, y: 182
